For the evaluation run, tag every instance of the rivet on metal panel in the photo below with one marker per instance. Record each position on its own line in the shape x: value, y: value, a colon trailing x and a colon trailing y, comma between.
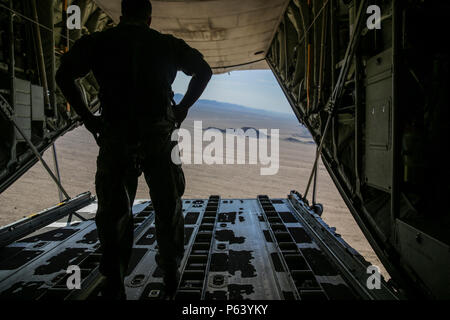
x: 137, y: 280
x: 154, y: 293
x: 218, y: 281
x: 419, y: 238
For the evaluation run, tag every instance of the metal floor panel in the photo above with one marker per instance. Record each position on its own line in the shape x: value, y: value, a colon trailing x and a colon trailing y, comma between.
x: 235, y: 249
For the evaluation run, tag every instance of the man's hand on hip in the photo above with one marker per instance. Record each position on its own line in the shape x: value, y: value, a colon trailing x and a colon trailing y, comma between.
x: 94, y: 125
x: 180, y: 113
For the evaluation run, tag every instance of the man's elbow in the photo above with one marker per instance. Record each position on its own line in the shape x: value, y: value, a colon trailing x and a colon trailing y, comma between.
x: 209, y: 73
x: 206, y: 72
x: 64, y: 78
x: 60, y: 77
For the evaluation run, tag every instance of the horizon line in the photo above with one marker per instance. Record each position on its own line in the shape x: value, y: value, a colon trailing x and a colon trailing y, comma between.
x: 240, y: 105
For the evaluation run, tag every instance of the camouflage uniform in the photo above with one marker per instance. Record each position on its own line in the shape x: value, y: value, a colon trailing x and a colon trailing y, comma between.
x: 135, y: 67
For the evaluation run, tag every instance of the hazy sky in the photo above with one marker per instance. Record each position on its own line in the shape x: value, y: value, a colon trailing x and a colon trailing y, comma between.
x: 255, y: 89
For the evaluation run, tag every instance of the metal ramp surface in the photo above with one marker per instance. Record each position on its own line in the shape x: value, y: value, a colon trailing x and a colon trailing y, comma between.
x: 255, y: 249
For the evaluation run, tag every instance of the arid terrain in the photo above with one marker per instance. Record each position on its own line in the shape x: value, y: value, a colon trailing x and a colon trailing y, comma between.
x: 77, y: 153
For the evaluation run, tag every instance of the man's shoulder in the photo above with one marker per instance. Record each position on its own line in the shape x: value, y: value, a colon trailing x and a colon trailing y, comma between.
x: 110, y: 32
x: 100, y: 37
x: 151, y: 33
x: 90, y: 37
x: 168, y: 38
x: 104, y: 34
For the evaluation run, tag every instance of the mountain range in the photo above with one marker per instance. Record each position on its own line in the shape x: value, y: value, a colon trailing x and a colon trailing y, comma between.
x: 218, y: 106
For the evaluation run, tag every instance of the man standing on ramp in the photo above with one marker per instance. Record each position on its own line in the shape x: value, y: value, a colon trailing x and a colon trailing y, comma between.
x: 135, y: 67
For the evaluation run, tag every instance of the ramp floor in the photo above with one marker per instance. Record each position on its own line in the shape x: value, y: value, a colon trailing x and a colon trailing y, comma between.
x: 256, y: 249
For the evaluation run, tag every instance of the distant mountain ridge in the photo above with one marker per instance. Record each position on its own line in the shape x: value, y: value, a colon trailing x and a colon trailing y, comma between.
x: 244, y: 129
x: 231, y: 107
x: 291, y: 139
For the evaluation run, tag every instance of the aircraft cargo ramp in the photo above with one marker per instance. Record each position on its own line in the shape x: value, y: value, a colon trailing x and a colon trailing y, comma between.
x: 235, y: 249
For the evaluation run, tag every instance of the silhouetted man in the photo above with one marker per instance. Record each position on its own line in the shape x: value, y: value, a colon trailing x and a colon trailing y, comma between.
x: 135, y: 67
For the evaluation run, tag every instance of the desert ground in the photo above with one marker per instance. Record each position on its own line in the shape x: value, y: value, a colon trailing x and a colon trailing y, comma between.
x: 77, y: 153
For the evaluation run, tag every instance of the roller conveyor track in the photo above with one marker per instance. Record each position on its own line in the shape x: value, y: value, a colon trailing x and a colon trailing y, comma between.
x: 256, y: 249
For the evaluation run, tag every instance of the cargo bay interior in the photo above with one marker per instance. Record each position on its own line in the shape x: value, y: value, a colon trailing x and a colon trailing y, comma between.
x: 374, y: 100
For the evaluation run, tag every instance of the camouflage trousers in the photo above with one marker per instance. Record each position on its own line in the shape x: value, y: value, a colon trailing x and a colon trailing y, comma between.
x: 118, y: 167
